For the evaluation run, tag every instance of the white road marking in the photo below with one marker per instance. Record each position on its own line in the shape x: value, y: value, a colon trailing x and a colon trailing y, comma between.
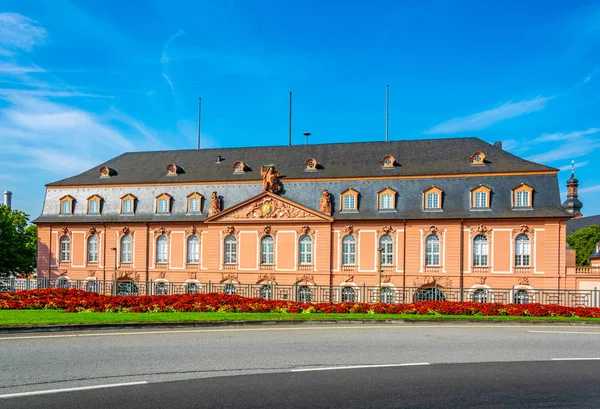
x: 576, y: 359
x: 567, y: 332
x: 332, y: 368
x: 316, y: 327
x: 80, y: 388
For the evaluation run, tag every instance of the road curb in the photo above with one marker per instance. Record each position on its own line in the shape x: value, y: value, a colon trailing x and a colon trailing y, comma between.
x: 210, y: 324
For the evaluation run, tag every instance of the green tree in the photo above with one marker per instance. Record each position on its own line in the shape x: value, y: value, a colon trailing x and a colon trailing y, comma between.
x: 18, y: 243
x: 584, y: 243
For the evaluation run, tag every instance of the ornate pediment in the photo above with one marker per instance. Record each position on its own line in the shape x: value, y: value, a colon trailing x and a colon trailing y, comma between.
x: 268, y: 207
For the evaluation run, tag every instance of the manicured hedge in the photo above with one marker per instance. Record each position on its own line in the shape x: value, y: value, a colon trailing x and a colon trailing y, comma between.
x: 72, y: 300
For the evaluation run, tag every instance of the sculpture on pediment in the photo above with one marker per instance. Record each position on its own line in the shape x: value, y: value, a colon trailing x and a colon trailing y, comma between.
x: 215, y: 204
x: 270, y: 179
x: 325, y: 205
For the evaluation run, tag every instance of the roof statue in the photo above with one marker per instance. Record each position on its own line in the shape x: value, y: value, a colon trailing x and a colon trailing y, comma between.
x: 270, y: 179
x: 215, y: 204
x: 325, y: 205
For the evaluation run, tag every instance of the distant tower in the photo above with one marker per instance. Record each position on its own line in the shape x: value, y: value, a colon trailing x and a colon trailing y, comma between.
x: 572, y: 204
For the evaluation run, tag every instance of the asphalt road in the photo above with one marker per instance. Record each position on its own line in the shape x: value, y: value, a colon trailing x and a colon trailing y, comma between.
x: 467, y: 366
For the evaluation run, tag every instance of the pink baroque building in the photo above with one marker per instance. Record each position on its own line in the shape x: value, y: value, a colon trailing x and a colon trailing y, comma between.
x: 444, y: 213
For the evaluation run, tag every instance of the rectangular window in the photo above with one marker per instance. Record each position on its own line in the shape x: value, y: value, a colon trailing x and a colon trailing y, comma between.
x: 229, y: 251
x: 305, y: 251
x: 522, y: 198
x: 480, y: 199
x: 349, y: 253
x: 349, y: 202
x: 192, y: 250
x: 94, y: 207
x: 127, y: 206
x: 163, y: 205
x: 433, y: 201
x: 267, y: 252
x: 386, y: 201
x: 194, y: 205
x: 66, y: 207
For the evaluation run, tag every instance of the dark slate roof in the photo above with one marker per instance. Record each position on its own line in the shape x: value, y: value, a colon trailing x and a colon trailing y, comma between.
x: 414, y: 157
x: 576, y: 224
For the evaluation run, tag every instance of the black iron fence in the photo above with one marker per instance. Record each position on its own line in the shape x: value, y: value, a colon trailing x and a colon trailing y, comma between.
x: 318, y: 293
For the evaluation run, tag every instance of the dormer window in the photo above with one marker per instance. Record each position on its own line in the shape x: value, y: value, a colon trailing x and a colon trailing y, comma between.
x: 173, y: 169
x: 432, y: 198
x: 387, y: 199
x: 349, y: 200
x: 128, y: 204
x: 388, y: 162
x: 311, y: 165
x: 163, y: 203
x: 194, y: 203
x: 106, y: 172
x: 94, y: 204
x: 66, y: 205
x: 522, y: 196
x: 480, y: 197
x: 239, y: 167
x: 478, y: 158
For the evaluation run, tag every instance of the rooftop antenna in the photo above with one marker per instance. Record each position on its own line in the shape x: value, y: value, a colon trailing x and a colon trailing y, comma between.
x: 387, y: 106
x: 307, y: 134
x: 199, y: 116
x: 290, y: 130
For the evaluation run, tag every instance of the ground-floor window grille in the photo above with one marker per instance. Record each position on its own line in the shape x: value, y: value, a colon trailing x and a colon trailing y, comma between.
x: 229, y: 289
x: 266, y: 292
x: 192, y: 288
x: 348, y: 294
x: 162, y: 288
x: 127, y: 288
x: 521, y: 297
x: 304, y: 294
x: 480, y: 295
x: 429, y: 294
x: 386, y: 295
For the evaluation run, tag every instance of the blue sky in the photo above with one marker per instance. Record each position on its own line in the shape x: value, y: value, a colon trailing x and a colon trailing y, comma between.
x: 81, y: 82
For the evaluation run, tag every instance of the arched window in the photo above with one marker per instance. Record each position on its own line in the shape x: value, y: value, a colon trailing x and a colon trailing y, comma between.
x: 386, y: 295
x: 92, y: 250
x: 65, y: 249
x: 191, y: 288
x: 162, y: 288
x: 480, y: 250
x: 348, y: 294
x: 126, y: 249
x: 349, y: 250
x: 521, y: 297
x: 304, y: 294
x: 480, y: 295
x: 266, y: 250
x: 229, y: 250
x: 432, y: 250
x: 386, y: 244
x: 162, y: 249
x: 522, y: 251
x: 429, y: 294
x: 63, y: 282
x: 91, y: 286
x: 229, y: 289
x: 305, y: 250
x: 266, y: 291
x: 192, y: 249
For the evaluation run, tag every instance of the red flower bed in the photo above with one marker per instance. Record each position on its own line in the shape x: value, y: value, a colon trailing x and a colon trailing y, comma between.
x: 81, y: 301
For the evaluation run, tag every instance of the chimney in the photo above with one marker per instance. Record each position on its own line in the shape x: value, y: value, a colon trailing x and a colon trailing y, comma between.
x: 7, y: 199
x: 498, y: 144
x: 219, y: 159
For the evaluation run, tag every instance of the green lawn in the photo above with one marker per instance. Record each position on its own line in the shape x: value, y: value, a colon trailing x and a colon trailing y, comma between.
x: 57, y: 317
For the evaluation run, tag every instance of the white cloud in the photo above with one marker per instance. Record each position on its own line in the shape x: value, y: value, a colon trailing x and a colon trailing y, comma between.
x: 164, y: 59
x: 577, y: 165
x: 19, y: 69
x: 487, y: 118
x: 19, y: 33
x: 166, y: 77
x: 590, y: 189
x: 567, y: 151
x: 562, y: 136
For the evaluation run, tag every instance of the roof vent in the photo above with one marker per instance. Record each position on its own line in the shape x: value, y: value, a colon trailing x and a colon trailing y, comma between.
x: 498, y: 144
x: 219, y: 159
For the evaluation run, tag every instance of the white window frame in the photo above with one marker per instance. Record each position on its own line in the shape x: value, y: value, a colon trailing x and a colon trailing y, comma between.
x: 522, y: 198
x: 65, y: 207
x: 349, y: 202
x: 480, y: 200
x: 433, y: 200
x: 230, y: 244
x: 162, y: 249
x: 194, y: 206
x: 266, y: 250
x: 94, y: 206
x: 387, y: 201
x: 128, y: 203
x: 522, y: 251
x: 480, y: 251
x: 92, y: 249
x: 349, y: 250
x: 192, y: 249
x: 125, y: 255
x: 65, y: 249
x: 163, y: 205
x: 432, y: 250
x: 386, y: 243
x: 305, y: 244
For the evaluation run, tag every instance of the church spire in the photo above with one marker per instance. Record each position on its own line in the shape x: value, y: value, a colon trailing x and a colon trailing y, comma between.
x: 572, y: 204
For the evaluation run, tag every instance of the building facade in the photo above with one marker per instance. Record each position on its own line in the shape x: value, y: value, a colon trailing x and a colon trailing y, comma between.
x: 450, y: 213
